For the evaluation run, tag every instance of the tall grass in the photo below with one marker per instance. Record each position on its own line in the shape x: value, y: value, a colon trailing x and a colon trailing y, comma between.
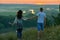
x: 52, y: 33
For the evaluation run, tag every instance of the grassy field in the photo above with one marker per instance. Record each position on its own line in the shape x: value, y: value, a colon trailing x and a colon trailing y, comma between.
x: 52, y: 33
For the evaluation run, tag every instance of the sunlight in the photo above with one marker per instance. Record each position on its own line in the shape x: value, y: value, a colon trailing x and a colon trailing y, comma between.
x: 32, y: 11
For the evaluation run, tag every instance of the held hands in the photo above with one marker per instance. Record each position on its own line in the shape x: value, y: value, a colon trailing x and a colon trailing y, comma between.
x: 27, y: 19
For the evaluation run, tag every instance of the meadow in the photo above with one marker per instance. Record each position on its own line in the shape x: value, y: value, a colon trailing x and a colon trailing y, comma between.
x: 52, y: 33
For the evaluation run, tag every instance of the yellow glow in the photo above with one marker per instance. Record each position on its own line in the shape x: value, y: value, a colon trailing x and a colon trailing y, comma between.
x: 29, y: 1
x: 32, y: 11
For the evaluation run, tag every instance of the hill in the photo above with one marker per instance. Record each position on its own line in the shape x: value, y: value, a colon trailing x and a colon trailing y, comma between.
x: 52, y: 33
x: 11, y: 9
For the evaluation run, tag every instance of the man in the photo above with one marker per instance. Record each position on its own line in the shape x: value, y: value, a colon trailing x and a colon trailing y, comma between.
x: 41, y: 22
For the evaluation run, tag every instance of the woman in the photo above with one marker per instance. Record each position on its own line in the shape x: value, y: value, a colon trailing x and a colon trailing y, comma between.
x: 18, y: 21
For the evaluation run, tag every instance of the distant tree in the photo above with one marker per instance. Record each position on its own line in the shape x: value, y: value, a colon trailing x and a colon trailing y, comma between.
x: 1, y: 25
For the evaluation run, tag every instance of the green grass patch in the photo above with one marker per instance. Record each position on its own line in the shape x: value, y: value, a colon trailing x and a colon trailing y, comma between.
x: 52, y: 33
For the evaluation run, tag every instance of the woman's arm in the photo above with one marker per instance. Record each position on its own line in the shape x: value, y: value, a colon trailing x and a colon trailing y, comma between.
x: 15, y: 22
x: 32, y: 17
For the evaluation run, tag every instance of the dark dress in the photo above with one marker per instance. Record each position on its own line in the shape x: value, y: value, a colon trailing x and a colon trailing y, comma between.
x: 19, y: 29
x: 19, y: 33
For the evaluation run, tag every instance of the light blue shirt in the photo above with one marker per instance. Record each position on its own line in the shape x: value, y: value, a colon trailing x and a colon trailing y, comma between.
x: 41, y: 16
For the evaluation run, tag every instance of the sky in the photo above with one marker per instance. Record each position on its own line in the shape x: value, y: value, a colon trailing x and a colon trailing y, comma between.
x: 29, y: 1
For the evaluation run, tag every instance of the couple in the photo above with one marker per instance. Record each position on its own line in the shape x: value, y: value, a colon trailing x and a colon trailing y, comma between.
x: 41, y: 21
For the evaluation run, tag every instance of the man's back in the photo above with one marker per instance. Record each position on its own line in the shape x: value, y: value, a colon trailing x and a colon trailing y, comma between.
x: 41, y: 16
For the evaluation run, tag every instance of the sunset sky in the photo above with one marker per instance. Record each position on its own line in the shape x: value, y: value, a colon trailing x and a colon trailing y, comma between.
x: 29, y: 1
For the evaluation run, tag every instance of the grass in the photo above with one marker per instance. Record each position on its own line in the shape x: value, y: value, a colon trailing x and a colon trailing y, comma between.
x: 52, y: 33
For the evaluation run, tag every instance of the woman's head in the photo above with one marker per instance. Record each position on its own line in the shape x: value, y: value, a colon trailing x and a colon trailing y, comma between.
x: 19, y: 14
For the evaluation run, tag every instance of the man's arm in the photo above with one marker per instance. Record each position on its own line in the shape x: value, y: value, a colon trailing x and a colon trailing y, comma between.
x: 33, y: 17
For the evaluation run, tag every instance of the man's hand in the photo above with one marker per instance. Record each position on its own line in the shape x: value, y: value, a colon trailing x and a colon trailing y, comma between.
x: 29, y: 18
x: 32, y: 17
x: 25, y: 19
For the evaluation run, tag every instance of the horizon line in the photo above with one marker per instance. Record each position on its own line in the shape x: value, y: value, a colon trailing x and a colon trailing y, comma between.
x: 32, y: 4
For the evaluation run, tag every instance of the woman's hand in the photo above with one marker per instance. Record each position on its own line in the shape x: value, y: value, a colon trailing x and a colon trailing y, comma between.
x: 26, y: 19
x: 11, y: 23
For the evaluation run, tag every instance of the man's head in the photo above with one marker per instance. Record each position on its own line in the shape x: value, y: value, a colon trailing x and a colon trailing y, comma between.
x: 41, y: 9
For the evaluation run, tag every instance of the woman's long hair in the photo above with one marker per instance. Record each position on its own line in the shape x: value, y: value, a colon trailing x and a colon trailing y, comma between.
x: 19, y: 14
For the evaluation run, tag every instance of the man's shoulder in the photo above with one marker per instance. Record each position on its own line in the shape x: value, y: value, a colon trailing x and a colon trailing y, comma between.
x: 44, y: 13
x: 41, y: 12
